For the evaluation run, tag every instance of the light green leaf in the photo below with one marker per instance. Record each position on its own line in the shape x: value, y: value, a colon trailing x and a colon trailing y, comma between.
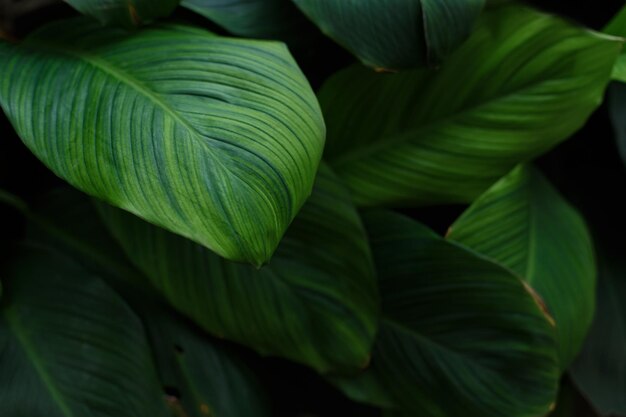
x: 523, y: 223
x: 69, y: 346
x: 459, y: 335
x: 199, y: 375
x: 213, y: 138
x: 617, y: 27
x: 444, y: 136
x: 126, y: 13
x: 395, y: 34
x: 316, y: 303
x: 600, y: 369
x: 272, y: 19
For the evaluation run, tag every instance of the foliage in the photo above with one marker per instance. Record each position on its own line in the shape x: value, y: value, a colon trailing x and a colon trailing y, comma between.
x: 240, y: 213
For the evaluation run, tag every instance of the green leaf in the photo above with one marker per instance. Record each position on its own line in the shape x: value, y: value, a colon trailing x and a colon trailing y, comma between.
x: 125, y: 13
x: 69, y: 346
x: 316, y: 303
x: 523, y: 223
x: 272, y: 19
x: 460, y: 335
x: 213, y: 138
x: 444, y: 136
x: 395, y: 34
x: 600, y: 369
x: 617, y: 27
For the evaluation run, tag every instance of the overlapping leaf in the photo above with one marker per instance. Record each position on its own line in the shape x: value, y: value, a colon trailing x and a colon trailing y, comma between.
x: 523, y: 82
x: 213, y: 138
x: 617, y: 27
x: 523, y: 223
x: 125, y: 12
x: 316, y: 303
x: 460, y: 335
x: 199, y: 377
x: 600, y: 369
x: 69, y: 346
x: 395, y: 34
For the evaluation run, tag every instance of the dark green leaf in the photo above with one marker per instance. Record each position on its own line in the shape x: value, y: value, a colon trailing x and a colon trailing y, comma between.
x: 523, y: 82
x: 216, y: 139
x: 617, y: 27
x: 316, y: 303
x: 69, y: 346
x: 523, y: 223
x: 126, y: 13
x: 395, y: 34
x: 460, y: 335
x: 617, y: 109
x: 600, y: 369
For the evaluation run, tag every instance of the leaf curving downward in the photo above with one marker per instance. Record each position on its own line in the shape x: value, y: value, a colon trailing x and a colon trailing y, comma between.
x: 395, y: 34
x: 213, y: 138
x: 459, y: 334
x: 315, y: 303
x: 523, y: 223
x: 127, y: 13
x: 444, y: 136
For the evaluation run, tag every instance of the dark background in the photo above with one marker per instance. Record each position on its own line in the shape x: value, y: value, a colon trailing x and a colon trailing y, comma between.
x: 586, y: 169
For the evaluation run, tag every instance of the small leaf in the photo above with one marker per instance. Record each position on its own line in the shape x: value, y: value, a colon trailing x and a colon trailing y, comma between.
x: 213, y: 138
x: 316, y: 303
x: 523, y: 223
x: 460, y: 335
x: 395, y: 34
x: 444, y: 136
x: 70, y: 346
x: 127, y: 13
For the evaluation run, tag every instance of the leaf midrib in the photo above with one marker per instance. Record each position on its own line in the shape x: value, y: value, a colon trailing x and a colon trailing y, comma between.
x: 28, y: 347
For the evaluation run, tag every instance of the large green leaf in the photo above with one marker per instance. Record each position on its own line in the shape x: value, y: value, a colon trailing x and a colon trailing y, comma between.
x: 523, y: 223
x: 273, y: 19
x: 460, y: 335
x: 316, y: 303
x: 69, y: 346
x: 125, y: 12
x: 395, y: 34
x: 216, y: 139
x: 617, y: 27
x: 600, y: 369
x: 523, y: 82
x: 199, y: 376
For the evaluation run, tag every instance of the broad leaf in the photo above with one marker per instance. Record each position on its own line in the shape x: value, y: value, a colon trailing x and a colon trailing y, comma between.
x: 460, y: 335
x: 125, y: 12
x: 395, y: 34
x: 216, y: 139
x: 600, y: 369
x: 523, y: 223
x: 617, y: 27
x: 316, y: 303
x: 444, y: 136
x: 199, y: 376
x: 69, y: 346
x: 272, y: 19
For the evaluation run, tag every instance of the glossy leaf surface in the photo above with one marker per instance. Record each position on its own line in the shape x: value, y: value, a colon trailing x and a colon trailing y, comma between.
x: 523, y: 223
x: 444, y: 136
x: 460, y: 335
x: 125, y: 12
x: 216, y: 139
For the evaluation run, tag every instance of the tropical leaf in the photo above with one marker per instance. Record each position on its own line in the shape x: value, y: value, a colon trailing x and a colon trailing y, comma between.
x: 126, y: 13
x: 272, y: 19
x: 434, y: 137
x: 459, y: 334
x: 316, y: 303
x: 69, y: 346
x: 200, y: 377
x: 213, y: 138
x: 395, y: 34
x: 617, y: 27
x: 523, y: 223
x: 600, y: 369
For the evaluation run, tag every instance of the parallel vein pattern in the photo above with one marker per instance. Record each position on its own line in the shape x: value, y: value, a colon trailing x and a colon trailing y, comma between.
x: 523, y: 223
x: 444, y: 136
x: 126, y: 13
x: 213, y: 138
